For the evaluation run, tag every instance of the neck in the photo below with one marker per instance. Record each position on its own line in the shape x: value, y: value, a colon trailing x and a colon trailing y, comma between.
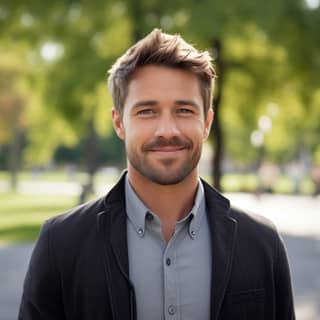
x: 169, y: 202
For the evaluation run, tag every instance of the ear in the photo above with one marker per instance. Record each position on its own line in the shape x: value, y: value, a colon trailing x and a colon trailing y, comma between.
x: 117, y: 123
x: 208, y: 123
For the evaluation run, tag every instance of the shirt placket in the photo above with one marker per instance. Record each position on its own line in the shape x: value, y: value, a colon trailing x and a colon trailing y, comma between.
x: 171, y: 303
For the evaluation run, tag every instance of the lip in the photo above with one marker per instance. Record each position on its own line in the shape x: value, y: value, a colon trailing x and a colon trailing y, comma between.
x: 167, y: 149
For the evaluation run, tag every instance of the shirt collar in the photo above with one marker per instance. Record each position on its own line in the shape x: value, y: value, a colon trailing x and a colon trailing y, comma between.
x: 198, y: 211
x: 137, y: 212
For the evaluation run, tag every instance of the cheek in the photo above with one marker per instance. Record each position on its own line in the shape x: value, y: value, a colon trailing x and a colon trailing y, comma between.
x: 135, y: 136
x: 194, y: 130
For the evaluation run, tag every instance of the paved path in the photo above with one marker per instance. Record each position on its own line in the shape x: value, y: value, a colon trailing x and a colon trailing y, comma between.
x: 13, y: 265
x: 298, y: 218
x: 295, y: 215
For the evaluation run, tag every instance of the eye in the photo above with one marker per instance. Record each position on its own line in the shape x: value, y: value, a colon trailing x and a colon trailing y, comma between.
x: 146, y: 112
x: 185, y: 111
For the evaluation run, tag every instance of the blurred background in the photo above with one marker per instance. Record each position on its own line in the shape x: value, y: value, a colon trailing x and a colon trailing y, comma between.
x: 58, y: 148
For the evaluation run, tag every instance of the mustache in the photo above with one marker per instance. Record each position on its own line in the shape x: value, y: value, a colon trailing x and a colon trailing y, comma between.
x: 162, y: 142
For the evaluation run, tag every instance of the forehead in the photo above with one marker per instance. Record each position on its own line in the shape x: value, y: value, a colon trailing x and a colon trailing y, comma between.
x: 161, y: 81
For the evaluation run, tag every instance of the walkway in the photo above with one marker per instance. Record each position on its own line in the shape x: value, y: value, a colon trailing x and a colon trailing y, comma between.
x: 298, y: 219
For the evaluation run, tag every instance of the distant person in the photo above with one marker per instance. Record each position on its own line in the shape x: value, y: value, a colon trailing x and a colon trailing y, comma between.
x: 315, y: 177
x: 162, y: 244
x: 268, y: 174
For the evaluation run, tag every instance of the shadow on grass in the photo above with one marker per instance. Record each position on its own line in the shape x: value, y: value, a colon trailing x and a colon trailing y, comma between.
x: 19, y: 233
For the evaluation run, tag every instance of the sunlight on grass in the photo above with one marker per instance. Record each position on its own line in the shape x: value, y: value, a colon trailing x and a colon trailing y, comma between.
x: 239, y: 182
x: 61, y: 176
x: 46, y: 176
x: 22, y: 215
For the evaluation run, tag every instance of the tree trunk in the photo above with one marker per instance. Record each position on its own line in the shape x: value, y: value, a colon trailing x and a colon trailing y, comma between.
x: 216, y: 132
x: 14, y: 152
x: 136, y: 16
x: 91, y: 157
x: 14, y: 156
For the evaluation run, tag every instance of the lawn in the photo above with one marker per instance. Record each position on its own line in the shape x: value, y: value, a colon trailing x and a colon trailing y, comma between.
x: 22, y: 215
x: 61, y: 176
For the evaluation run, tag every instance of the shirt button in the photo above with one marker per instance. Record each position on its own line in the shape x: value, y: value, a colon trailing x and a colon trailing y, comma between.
x: 172, y: 310
x: 193, y: 233
x: 140, y: 232
x: 149, y: 216
x: 168, y: 262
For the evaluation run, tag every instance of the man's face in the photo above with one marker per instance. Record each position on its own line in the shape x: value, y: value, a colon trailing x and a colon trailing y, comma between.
x: 163, y: 124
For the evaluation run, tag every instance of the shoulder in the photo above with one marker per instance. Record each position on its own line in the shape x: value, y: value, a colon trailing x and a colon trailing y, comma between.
x: 219, y: 204
x: 80, y: 216
x: 256, y: 232
x: 69, y: 230
x: 252, y: 229
x: 83, y: 217
x: 249, y: 221
x: 258, y: 240
x: 257, y: 236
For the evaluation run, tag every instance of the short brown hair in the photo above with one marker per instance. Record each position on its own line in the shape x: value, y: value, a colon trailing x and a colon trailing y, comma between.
x: 159, y: 48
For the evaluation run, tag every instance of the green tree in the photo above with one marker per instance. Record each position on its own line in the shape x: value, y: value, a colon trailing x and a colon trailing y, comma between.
x: 72, y: 44
x: 13, y: 88
x: 266, y: 54
x: 260, y: 52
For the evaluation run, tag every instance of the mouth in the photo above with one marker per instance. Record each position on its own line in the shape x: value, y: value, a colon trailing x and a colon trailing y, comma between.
x: 167, y: 149
x: 163, y: 146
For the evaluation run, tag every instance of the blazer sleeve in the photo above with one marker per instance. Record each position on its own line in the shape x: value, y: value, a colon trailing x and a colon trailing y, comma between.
x: 42, y: 297
x: 283, y: 288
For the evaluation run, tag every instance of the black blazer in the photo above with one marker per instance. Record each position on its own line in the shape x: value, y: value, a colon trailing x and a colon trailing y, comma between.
x: 79, y: 266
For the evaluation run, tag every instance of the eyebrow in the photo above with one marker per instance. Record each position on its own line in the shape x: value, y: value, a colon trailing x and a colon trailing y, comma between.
x: 187, y: 103
x: 145, y: 103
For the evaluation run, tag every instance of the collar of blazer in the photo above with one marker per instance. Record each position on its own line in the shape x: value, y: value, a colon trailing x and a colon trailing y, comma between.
x: 112, y: 226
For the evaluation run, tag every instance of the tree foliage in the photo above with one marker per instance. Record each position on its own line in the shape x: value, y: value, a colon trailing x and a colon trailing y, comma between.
x: 270, y: 53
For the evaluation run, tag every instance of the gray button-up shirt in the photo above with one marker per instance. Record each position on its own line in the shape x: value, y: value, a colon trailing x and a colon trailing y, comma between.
x: 172, y: 280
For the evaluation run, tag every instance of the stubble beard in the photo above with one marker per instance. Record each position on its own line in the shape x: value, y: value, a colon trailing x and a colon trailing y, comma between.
x: 167, y: 172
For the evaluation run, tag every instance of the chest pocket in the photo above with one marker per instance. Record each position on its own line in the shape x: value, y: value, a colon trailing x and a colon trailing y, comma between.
x: 244, y: 305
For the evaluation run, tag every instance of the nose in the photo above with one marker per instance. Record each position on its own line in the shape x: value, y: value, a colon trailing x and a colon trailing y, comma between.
x: 167, y: 127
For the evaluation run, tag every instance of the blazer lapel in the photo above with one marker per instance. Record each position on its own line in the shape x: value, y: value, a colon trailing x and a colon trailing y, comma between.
x: 113, y: 232
x: 223, y: 237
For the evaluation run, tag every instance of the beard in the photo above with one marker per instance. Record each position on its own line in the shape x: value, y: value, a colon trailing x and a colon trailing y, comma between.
x: 168, y: 170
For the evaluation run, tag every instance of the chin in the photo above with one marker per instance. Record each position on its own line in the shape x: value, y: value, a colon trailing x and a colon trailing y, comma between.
x: 166, y: 177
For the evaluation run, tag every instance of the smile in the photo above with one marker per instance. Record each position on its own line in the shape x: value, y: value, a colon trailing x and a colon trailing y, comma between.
x: 168, y: 149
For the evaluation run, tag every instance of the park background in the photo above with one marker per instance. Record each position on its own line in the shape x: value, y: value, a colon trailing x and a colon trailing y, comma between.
x: 58, y: 148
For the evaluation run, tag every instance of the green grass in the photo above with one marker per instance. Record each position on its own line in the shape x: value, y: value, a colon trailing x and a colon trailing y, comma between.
x: 22, y: 215
x: 52, y: 176
x: 60, y: 176
x: 250, y: 183
x: 239, y: 182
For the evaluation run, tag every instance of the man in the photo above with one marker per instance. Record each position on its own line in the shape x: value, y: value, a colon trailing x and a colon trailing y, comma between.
x: 162, y: 244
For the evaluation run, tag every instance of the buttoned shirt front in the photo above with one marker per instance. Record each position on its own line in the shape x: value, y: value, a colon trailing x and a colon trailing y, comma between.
x: 171, y: 280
